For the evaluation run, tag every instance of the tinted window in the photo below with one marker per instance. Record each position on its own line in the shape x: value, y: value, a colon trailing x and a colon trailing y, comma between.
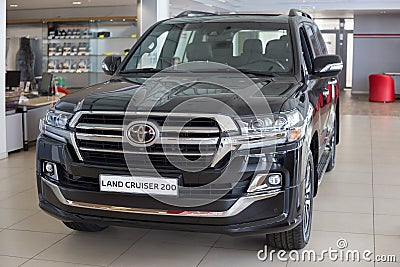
x: 313, y: 40
x: 322, y: 44
x: 261, y: 47
x: 306, y: 49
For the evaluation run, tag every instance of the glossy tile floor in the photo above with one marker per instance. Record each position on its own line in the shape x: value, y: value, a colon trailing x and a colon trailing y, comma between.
x: 358, y: 201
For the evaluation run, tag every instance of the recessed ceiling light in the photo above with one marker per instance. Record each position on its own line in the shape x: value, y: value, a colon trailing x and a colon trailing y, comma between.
x: 13, y: 5
x: 77, y: 3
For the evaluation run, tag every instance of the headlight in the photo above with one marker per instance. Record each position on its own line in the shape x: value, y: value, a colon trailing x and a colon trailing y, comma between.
x: 283, y: 127
x: 57, y: 119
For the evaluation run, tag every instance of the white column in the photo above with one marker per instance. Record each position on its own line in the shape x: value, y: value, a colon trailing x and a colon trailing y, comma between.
x: 3, y: 147
x: 151, y: 11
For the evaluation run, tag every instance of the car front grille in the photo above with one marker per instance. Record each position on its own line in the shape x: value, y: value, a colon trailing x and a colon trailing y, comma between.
x: 79, y: 182
x: 188, y: 142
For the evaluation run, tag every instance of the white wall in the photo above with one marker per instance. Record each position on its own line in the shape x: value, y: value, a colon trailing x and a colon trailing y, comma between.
x: 3, y: 148
x: 376, y: 49
x: 151, y: 11
x: 25, y: 30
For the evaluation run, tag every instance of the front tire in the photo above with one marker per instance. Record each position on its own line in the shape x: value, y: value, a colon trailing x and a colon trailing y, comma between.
x: 85, y: 227
x: 298, y: 237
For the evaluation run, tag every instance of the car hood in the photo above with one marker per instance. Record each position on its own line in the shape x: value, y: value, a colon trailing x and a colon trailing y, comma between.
x: 117, y: 95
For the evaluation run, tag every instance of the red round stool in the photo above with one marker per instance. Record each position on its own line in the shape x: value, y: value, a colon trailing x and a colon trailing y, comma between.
x: 381, y: 88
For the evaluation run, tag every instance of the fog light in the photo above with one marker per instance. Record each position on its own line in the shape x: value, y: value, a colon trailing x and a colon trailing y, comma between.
x: 265, y: 182
x: 275, y: 179
x: 50, y: 170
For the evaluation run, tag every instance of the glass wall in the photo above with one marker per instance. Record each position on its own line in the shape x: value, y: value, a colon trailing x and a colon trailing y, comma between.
x: 338, y: 35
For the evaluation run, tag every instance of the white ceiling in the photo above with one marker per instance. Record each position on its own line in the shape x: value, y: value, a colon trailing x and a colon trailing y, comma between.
x: 270, y: 5
x: 317, y: 8
x: 47, y: 4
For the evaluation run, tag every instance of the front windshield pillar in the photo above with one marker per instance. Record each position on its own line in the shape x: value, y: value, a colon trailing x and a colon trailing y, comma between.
x: 151, y: 11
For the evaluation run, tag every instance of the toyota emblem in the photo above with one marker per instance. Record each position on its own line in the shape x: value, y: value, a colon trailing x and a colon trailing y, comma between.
x: 142, y: 133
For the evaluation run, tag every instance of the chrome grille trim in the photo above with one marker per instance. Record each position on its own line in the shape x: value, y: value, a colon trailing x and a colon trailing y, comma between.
x: 187, y: 141
x: 225, y: 124
x: 171, y: 129
x: 169, y: 153
x: 165, y: 129
x: 161, y: 140
x: 107, y: 127
x: 99, y: 137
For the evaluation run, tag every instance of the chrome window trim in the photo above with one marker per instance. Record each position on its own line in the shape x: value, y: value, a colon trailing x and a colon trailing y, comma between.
x: 240, y: 205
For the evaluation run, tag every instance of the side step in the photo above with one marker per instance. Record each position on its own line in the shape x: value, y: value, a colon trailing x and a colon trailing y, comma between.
x: 323, y: 163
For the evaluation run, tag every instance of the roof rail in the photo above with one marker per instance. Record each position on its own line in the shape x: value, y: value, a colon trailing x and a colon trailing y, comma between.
x: 193, y: 13
x: 297, y: 12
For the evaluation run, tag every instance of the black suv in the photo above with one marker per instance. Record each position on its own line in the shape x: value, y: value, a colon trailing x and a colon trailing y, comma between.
x: 106, y: 157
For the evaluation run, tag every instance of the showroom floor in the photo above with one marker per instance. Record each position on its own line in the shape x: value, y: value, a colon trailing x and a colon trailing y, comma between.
x: 359, y: 201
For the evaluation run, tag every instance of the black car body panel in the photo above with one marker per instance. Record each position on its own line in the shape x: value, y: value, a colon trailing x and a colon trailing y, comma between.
x: 73, y: 192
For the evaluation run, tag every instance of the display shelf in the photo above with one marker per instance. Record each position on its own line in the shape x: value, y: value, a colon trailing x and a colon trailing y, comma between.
x: 69, y: 71
x: 73, y: 49
x: 92, y: 38
x: 87, y: 55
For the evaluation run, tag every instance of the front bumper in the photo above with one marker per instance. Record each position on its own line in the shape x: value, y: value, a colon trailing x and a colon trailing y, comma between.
x: 271, y: 212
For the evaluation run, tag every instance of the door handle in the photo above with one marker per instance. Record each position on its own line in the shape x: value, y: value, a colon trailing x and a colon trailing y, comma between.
x: 325, y: 92
x: 333, y: 81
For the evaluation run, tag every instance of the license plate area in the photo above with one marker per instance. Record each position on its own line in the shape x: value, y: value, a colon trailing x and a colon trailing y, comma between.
x: 139, y: 185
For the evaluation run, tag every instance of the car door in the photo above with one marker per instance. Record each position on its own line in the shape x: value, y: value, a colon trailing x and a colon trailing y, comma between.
x: 333, y: 89
x: 322, y: 88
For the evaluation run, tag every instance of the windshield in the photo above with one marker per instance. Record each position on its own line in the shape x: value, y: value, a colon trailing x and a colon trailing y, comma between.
x: 250, y: 47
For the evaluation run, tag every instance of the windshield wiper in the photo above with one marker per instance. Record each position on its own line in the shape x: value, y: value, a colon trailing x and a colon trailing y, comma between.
x: 258, y: 73
x: 144, y: 70
x: 121, y: 78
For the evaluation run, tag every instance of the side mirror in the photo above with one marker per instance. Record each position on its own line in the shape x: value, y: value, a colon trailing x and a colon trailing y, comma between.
x: 110, y: 64
x: 327, y: 66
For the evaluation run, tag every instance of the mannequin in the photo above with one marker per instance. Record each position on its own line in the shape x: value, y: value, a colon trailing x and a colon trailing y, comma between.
x: 26, y: 61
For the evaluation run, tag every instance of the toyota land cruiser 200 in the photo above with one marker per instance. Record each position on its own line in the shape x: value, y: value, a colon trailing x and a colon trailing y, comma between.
x: 102, y: 160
